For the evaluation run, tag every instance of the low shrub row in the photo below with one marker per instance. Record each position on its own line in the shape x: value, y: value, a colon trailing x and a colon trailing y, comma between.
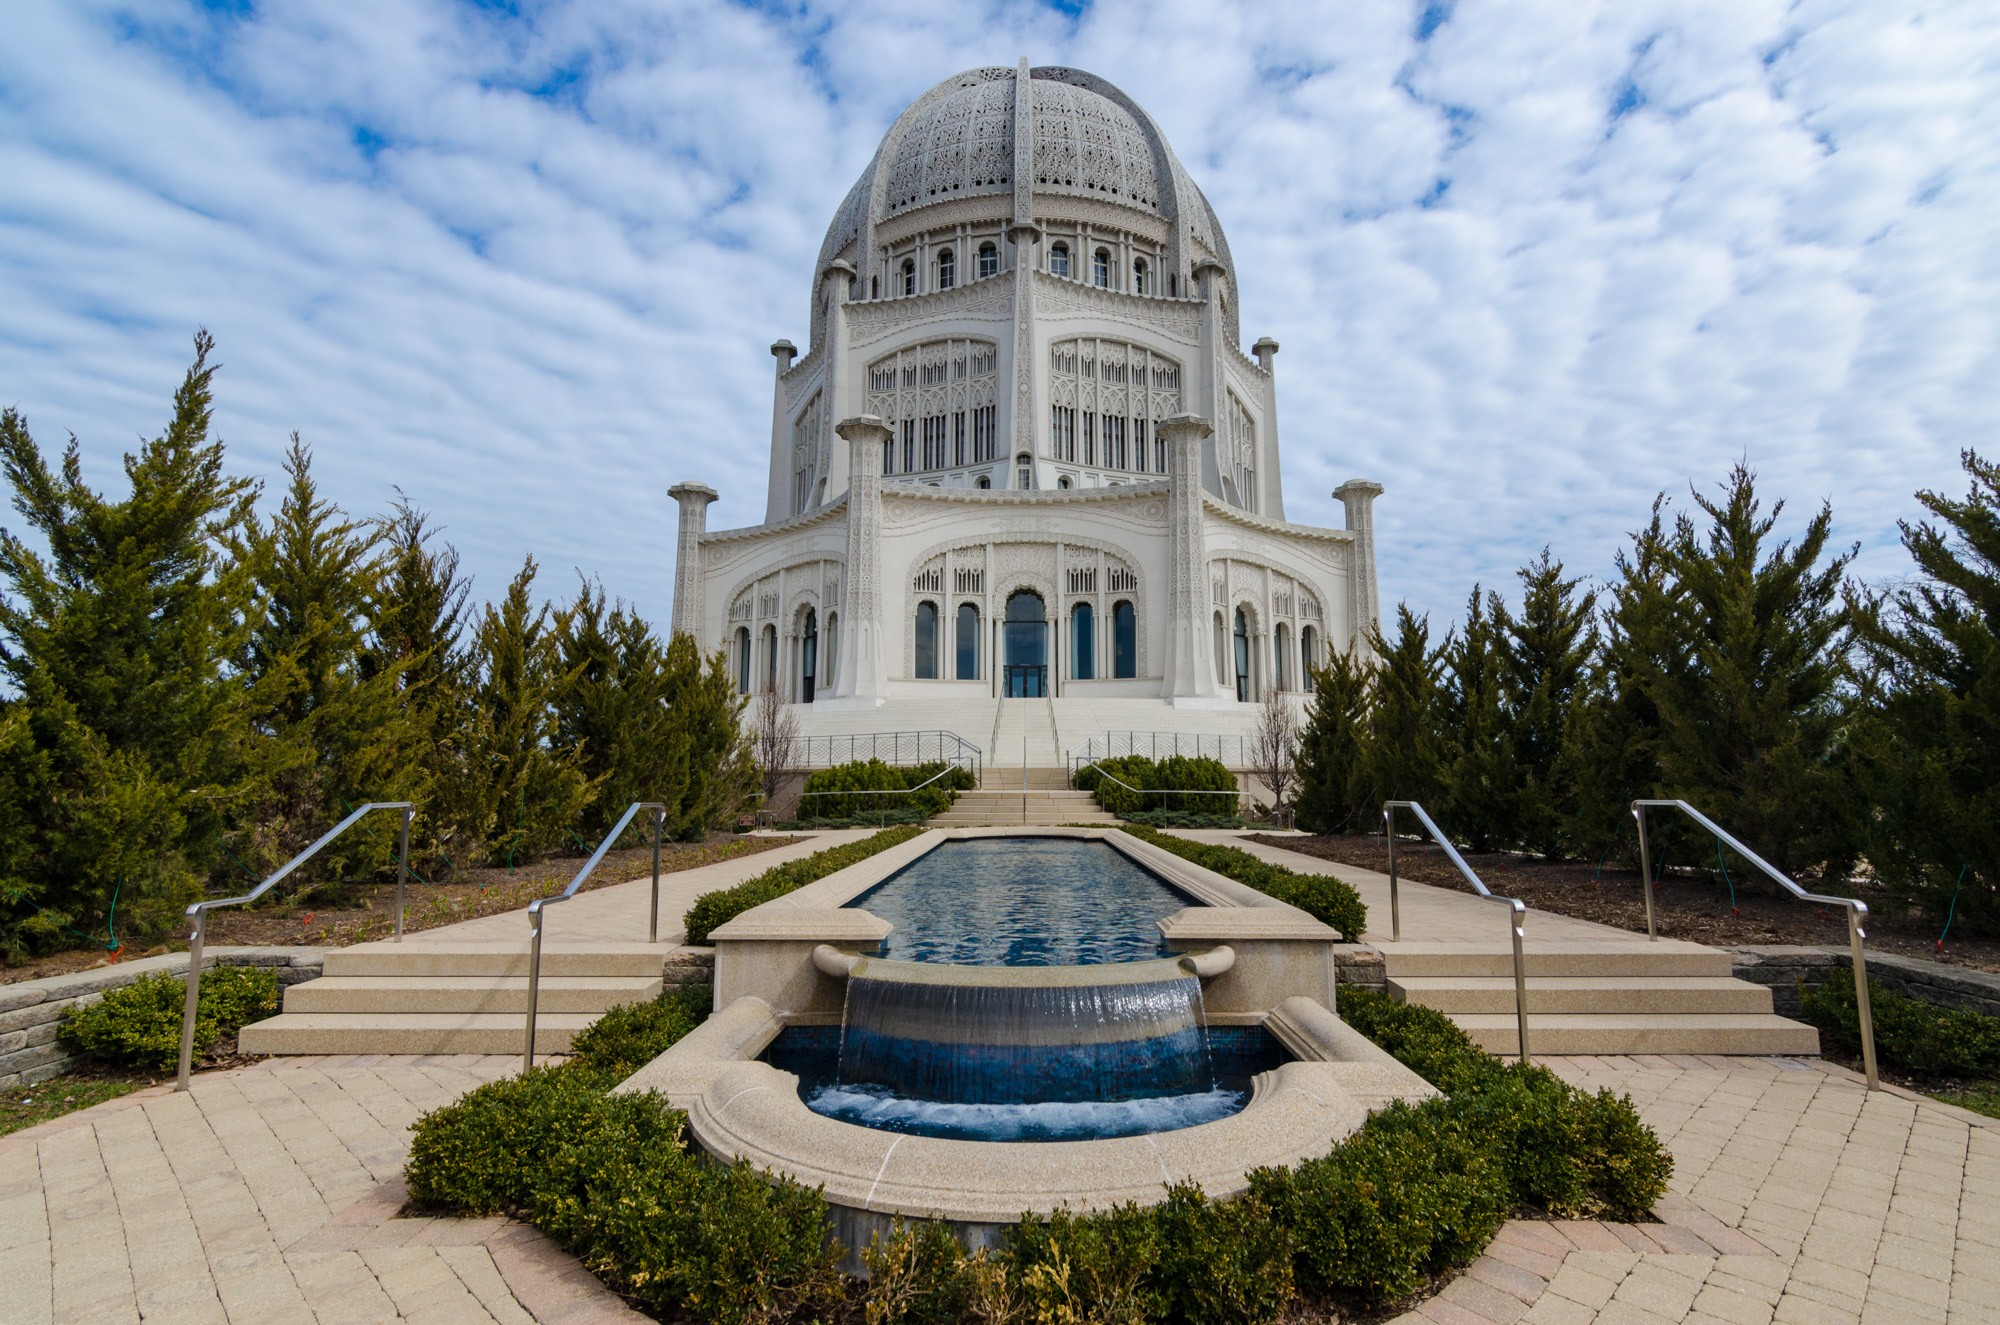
x: 1130, y: 784
x: 1183, y: 819
x: 823, y: 795
x: 1320, y: 896
x: 139, y: 1025
x: 1910, y: 1034
x: 711, y: 910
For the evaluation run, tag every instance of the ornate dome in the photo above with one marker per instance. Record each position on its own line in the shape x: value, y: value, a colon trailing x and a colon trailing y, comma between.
x: 1089, y: 140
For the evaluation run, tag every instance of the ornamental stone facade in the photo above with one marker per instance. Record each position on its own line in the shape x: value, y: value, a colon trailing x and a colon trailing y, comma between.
x: 1024, y: 454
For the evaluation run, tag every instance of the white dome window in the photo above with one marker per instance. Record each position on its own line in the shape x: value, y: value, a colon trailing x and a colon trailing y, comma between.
x: 989, y: 261
x: 1142, y: 277
x: 1100, y: 269
x: 947, y: 269
x: 1059, y: 260
x: 909, y: 276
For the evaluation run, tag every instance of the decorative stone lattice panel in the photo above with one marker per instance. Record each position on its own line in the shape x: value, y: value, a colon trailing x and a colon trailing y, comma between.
x: 1106, y: 398
x: 938, y: 398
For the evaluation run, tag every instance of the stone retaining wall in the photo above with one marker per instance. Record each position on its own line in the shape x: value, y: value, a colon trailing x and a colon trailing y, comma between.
x: 1361, y: 966
x: 31, y: 1010
x: 1782, y: 968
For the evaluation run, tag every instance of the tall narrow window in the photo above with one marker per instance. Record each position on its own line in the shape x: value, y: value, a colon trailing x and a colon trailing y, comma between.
x: 1142, y: 277
x: 927, y: 641
x: 1100, y: 268
x: 989, y: 261
x: 1308, y: 651
x: 770, y: 657
x: 1023, y: 474
x: 1242, y: 656
x: 947, y: 269
x: 968, y: 642
x: 809, y: 657
x: 958, y: 438
x: 1059, y: 260
x: 1124, y: 640
x: 830, y: 653
x: 909, y: 276
x: 743, y: 659
x: 1083, y: 642
x: 1281, y: 644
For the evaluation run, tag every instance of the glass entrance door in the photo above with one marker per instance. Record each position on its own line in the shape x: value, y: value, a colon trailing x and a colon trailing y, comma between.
x: 809, y: 657
x: 1025, y: 647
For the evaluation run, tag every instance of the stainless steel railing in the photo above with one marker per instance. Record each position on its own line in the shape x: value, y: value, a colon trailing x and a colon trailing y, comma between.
x: 536, y: 907
x: 1857, y: 911
x: 921, y: 747
x: 198, y: 914
x: 1231, y: 750
x: 1517, y: 910
x: 1109, y: 776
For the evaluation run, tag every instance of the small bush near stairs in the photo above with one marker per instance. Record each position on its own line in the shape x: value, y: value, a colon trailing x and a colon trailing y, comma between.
x: 139, y: 1025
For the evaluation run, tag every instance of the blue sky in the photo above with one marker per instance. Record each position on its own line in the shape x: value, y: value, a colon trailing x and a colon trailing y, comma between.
x: 1530, y: 263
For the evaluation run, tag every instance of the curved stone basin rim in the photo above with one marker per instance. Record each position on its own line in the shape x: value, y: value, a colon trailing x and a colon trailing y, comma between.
x: 843, y: 965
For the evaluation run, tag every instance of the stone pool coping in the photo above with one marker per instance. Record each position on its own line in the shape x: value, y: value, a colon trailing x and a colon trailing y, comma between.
x: 741, y: 1109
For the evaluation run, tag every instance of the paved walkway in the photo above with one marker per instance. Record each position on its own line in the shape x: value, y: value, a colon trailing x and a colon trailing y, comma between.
x: 269, y: 1194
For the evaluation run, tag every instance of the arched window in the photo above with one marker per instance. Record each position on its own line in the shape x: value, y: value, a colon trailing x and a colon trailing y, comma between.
x: 1063, y: 482
x: 874, y: 287
x: 968, y: 642
x: 808, y: 656
x: 770, y: 657
x: 1142, y: 277
x: 984, y: 482
x: 927, y: 642
x: 989, y: 261
x: 830, y: 653
x: 1124, y: 640
x: 909, y: 276
x: 947, y: 269
x: 1242, y: 655
x: 1024, y: 476
x: 1083, y: 642
x: 1059, y: 260
x: 1281, y: 643
x: 1100, y: 268
x: 1308, y: 652
x: 743, y: 659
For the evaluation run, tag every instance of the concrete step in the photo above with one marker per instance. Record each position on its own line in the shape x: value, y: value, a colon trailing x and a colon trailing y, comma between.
x: 1662, y: 1034
x: 415, y: 958
x: 410, y: 1033
x: 368, y: 995
x: 1621, y: 995
x: 1571, y: 959
x: 1039, y: 779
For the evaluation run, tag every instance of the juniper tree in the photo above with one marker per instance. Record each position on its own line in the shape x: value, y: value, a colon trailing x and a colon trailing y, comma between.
x: 1335, y: 785
x: 1930, y: 756
x: 708, y: 712
x: 1479, y: 777
x: 1546, y: 660
x: 1405, y: 742
x: 116, y: 642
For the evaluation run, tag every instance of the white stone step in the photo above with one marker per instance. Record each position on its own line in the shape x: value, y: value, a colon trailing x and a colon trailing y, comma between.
x: 360, y: 995
x: 411, y: 1033
x: 1624, y: 1034
x: 417, y: 958
x: 1547, y: 958
x: 1622, y: 995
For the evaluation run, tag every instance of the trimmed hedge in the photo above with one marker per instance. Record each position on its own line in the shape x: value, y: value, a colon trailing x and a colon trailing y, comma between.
x: 1910, y: 1034
x: 632, y: 1035
x: 874, y: 775
x: 1155, y: 784
x: 1320, y: 896
x: 712, y: 910
x: 139, y: 1025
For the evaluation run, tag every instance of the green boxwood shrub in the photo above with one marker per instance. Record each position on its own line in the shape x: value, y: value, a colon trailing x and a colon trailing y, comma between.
x: 1910, y: 1034
x: 139, y: 1025
x: 872, y: 775
x: 712, y: 910
x: 632, y: 1035
x: 1137, y: 784
x: 1320, y: 896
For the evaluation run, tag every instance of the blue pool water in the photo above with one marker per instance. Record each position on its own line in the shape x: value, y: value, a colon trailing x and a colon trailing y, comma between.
x: 1023, y: 901
x: 1235, y: 1054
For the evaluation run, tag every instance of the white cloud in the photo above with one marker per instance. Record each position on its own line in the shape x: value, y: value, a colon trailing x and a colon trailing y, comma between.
x: 1528, y: 271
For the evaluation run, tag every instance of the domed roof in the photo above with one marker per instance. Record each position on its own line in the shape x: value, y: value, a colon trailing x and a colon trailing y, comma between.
x: 1089, y: 139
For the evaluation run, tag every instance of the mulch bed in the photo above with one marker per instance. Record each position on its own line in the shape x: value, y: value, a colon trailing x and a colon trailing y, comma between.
x: 1690, y: 904
x: 368, y: 911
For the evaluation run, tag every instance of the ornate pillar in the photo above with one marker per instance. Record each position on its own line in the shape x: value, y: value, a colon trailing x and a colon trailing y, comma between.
x: 1270, y: 482
x: 862, y: 672
x: 778, y: 496
x: 694, y: 499
x: 1364, y: 611
x: 1190, y: 671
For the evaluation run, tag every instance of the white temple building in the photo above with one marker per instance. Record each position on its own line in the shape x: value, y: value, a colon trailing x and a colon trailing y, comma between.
x: 1024, y: 455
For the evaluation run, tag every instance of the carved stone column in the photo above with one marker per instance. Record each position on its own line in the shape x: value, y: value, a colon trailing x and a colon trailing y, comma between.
x: 1364, y: 611
x: 861, y: 671
x: 694, y: 499
x: 1190, y: 671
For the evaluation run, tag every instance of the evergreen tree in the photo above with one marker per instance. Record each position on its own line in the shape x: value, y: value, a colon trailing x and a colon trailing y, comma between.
x: 117, y: 644
x: 1548, y: 652
x: 706, y: 711
x: 1931, y: 753
x: 1405, y: 743
x: 611, y: 709
x: 1752, y: 711
x: 336, y: 733
x: 535, y: 795
x: 1478, y: 776
x: 1335, y: 789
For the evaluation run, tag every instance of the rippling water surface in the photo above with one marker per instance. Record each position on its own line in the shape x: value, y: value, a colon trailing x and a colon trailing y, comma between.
x: 1023, y: 901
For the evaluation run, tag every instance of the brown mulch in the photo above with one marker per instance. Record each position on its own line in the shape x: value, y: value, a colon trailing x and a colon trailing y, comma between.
x: 1690, y: 904
x: 368, y: 911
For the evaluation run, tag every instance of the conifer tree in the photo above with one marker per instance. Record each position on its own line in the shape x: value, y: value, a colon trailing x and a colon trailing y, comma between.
x: 611, y: 708
x: 117, y: 644
x: 1480, y: 781
x: 707, y: 712
x: 1335, y: 788
x: 1548, y: 651
x: 1931, y: 753
x: 1405, y: 743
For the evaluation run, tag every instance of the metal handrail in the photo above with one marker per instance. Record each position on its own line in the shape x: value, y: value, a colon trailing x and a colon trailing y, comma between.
x: 198, y: 913
x: 1517, y: 910
x: 820, y: 751
x: 536, y: 907
x: 1147, y: 791
x: 884, y: 791
x: 1857, y: 911
x: 1198, y: 745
